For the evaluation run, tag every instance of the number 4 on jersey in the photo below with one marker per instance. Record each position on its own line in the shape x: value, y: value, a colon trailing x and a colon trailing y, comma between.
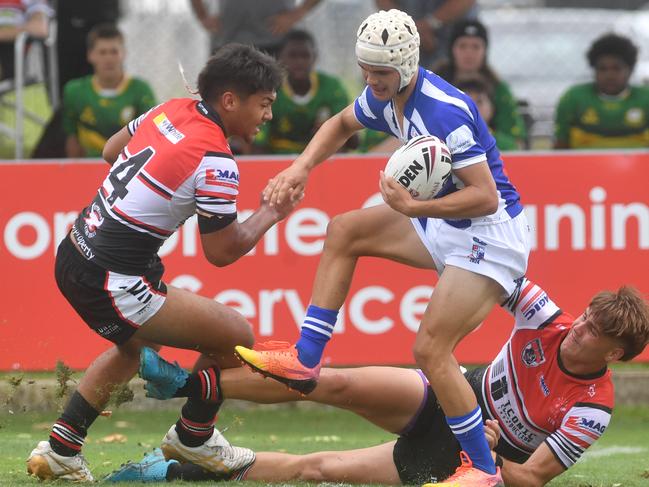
x: 122, y: 174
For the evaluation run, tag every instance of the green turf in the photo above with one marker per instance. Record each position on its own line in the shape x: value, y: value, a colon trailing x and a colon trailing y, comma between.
x: 620, y: 458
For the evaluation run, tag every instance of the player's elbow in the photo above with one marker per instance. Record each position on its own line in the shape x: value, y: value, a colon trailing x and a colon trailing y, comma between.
x: 221, y: 258
x: 490, y: 201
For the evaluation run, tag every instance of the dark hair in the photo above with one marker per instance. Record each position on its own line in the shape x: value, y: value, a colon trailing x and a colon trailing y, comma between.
x: 475, y: 83
x: 447, y: 69
x: 613, y: 45
x: 103, y: 31
x: 297, y: 35
x: 239, y: 68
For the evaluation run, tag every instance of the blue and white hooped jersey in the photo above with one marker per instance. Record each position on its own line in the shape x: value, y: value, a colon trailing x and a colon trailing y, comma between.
x: 435, y: 107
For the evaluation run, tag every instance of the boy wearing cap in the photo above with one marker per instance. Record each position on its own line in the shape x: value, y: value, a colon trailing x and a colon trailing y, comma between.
x: 474, y: 233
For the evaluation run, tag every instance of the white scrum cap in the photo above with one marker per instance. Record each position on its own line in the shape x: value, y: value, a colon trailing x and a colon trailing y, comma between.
x: 389, y: 38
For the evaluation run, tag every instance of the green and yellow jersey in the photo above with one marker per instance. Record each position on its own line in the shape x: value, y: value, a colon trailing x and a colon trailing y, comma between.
x: 296, y: 118
x: 586, y: 119
x: 93, y: 114
x: 507, y: 124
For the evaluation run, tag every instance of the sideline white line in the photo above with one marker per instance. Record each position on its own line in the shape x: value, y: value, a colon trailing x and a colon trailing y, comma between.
x: 612, y: 450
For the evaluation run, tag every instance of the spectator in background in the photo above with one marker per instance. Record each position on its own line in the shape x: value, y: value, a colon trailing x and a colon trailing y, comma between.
x: 607, y: 112
x: 261, y: 24
x: 98, y: 105
x: 434, y: 20
x: 467, y: 59
x: 74, y: 20
x: 481, y: 93
x: 31, y: 16
x: 306, y: 99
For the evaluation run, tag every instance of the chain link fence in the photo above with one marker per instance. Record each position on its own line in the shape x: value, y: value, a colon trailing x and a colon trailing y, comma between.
x: 537, y: 46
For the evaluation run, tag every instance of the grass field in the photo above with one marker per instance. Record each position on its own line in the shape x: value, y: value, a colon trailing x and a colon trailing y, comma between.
x: 621, y: 457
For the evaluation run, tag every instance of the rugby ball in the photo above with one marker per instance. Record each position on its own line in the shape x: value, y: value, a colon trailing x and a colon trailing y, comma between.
x: 422, y: 166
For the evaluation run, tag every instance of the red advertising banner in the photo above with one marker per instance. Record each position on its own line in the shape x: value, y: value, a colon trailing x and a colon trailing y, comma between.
x: 589, y: 212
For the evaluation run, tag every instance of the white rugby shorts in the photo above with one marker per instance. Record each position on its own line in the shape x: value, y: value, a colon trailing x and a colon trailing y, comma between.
x: 497, y: 250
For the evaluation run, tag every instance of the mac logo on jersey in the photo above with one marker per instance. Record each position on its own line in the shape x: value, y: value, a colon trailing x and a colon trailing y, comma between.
x: 216, y: 176
x: 538, y: 303
x: 586, y: 426
x: 532, y: 355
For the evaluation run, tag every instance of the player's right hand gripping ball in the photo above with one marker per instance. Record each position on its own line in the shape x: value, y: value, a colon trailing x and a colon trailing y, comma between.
x: 422, y: 166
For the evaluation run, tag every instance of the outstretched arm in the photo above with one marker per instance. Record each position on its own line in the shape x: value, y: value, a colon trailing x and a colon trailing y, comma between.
x: 327, y: 140
x: 225, y: 246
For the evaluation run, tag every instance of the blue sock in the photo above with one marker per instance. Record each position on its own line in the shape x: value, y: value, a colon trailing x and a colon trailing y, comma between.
x: 469, y: 431
x: 317, y: 327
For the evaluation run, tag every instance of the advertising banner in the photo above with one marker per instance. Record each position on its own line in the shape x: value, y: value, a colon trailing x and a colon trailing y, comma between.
x: 589, y: 213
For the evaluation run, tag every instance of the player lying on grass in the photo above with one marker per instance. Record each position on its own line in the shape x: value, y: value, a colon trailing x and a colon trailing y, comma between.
x: 549, y: 389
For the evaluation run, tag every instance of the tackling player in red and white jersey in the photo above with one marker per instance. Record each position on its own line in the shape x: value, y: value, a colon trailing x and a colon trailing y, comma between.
x: 540, y: 393
x: 167, y: 165
x: 549, y: 389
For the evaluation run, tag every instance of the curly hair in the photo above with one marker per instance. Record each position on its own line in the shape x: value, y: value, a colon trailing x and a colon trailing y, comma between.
x: 613, y: 45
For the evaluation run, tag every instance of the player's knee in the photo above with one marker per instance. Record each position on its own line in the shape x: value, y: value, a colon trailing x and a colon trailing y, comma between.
x: 340, y: 232
x: 430, y: 350
x: 315, y: 468
x: 245, y: 335
x: 335, y: 384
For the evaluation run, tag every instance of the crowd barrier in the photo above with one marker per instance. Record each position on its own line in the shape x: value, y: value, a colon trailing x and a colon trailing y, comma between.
x: 589, y: 213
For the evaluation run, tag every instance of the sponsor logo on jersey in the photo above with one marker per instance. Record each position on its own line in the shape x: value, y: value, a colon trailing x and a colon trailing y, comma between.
x: 127, y: 114
x: 85, y: 249
x: 93, y: 220
x: 532, y: 354
x: 166, y: 128
x: 544, y: 387
x: 590, y: 117
x: 499, y: 388
x: 460, y: 140
x: 477, y: 251
x: 634, y: 117
x: 589, y: 427
x: 217, y: 176
x: 108, y: 330
x: 510, y: 420
x: 531, y: 308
